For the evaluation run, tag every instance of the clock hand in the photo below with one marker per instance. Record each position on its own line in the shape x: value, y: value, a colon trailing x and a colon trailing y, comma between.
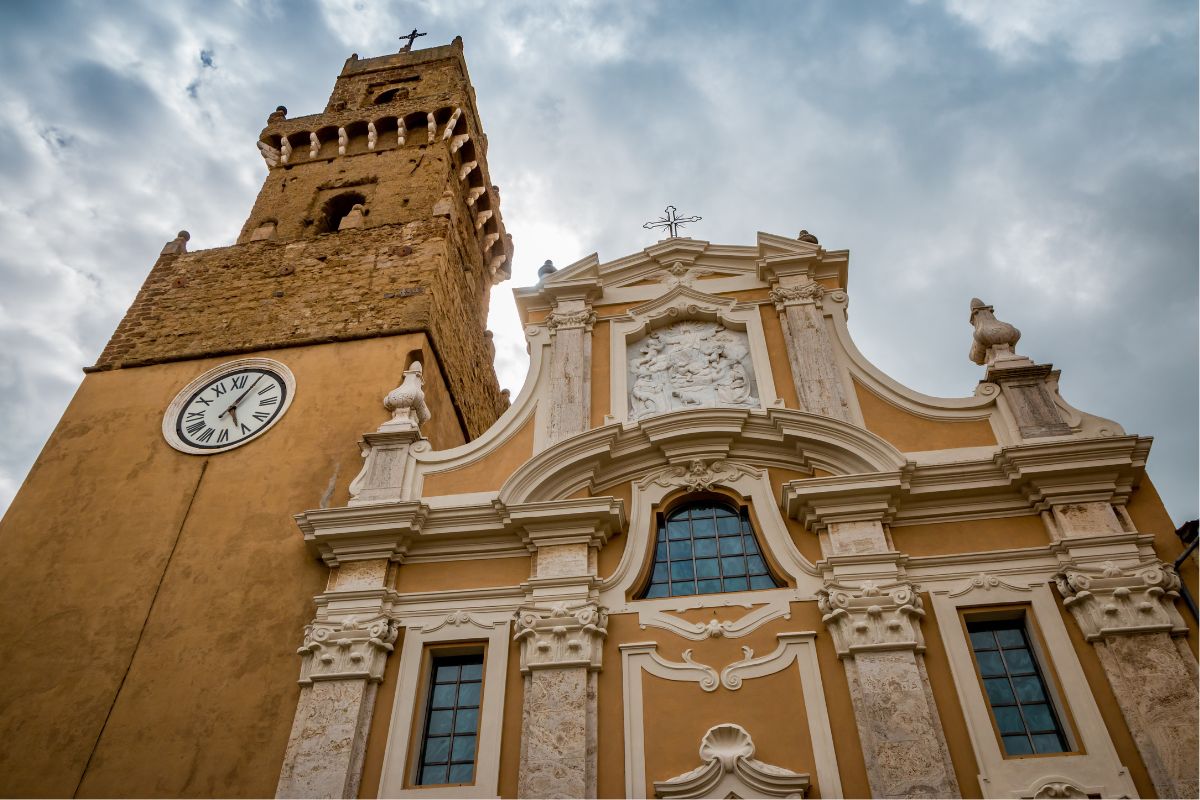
x: 241, y: 397
x: 233, y: 413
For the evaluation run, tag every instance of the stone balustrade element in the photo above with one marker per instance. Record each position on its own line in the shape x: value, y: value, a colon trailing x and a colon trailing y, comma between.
x: 872, y: 618
x: 561, y: 650
x: 1129, y: 616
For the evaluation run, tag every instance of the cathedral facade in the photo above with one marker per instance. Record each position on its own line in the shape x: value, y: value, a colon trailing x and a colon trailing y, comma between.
x: 291, y: 539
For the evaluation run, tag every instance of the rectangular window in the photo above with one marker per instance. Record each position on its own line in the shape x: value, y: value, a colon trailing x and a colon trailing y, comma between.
x: 1016, y: 691
x: 448, y: 743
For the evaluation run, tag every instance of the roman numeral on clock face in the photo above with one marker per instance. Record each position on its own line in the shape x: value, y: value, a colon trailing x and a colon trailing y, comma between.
x: 195, y: 415
x: 195, y: 427
x: 239, y: 381
x: 219, y: 388
x: 223, y: 436
x: 261, y: 416
x: 268, y: 401
x: 208, y: 434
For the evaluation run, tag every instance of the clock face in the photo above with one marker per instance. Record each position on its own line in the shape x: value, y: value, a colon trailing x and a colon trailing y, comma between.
x: 228, y: 406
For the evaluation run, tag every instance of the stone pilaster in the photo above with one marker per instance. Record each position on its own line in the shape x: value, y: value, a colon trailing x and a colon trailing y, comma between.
x: 570, y: 327
x: 1129, y: 616
x: 814, y: 367
x: 876, y: 631
x: 342, y: 662
x: 561, y: 651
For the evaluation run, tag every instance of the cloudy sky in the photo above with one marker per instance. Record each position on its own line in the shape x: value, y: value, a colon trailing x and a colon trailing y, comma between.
x: 1040, y: 155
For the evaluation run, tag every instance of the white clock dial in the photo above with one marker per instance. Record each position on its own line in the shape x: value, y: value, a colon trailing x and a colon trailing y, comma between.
x: 228, y: 406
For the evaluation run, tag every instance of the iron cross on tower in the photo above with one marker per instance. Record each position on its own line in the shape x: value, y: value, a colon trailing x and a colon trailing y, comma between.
x: 412, y: 37
x: 670, y: 222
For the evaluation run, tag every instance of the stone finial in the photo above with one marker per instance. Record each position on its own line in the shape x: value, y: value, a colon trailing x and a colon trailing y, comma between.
x: 278, y: 115
x: 177, y: 245
x: 546, y: 269
x: 353, y: 219
x: 994, y: 339
x: 805, y: 236
x: 407, y: 402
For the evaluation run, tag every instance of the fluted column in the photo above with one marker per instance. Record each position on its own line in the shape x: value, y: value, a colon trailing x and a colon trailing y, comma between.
x: 342, y: 661
x: 570, y: 327
x: 819, y: 386
x: 1129, y: 616
x: 560, y: 656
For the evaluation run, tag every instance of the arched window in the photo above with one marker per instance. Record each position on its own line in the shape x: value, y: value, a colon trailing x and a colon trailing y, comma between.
x: 704, y: 547
x: 336, y: 209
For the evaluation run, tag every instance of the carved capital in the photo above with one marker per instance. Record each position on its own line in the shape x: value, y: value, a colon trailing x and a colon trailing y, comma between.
x: 346, y: 650
x: 561, y: 637
x: 872, y: 618
x: 567, y: 320
x: 1112, y: 601
x: 783, y: 296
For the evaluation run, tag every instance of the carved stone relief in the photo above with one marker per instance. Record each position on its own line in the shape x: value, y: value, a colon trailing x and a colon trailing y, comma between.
x: 690, y: 364
x: 729, y: 769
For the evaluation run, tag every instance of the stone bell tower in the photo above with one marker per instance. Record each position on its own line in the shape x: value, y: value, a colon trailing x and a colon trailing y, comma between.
x: 162, y: 586
x: 377, y: 217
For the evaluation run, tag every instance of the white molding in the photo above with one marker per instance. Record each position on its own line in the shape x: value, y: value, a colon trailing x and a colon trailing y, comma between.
x: 403, y: 730
x: 679, y: 304
x: 797, y: 647
x: 729, y: 769
x: 1098, y: 765
x: 754, y: 486
x: 775, y: 608
x: 210, y: 375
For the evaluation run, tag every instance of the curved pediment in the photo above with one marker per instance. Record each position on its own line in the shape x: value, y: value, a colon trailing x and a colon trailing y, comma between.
x: 776, y: 437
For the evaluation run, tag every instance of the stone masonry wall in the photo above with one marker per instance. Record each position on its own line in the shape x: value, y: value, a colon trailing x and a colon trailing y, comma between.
x: 349, y: 285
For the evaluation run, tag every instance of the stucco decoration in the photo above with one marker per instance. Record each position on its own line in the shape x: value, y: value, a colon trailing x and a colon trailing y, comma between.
x: 729, y: 769
x: 700, y: 476
x: 561, y: 636
x: 560, y: 650
x: 1059, y: 788
x: 346, y: 650
x: 1130, y: 616
x: 872, y: 618
x: 986, y: 582
x: 690, y: 364
x: 993, y: 339
x: 1112, y: 600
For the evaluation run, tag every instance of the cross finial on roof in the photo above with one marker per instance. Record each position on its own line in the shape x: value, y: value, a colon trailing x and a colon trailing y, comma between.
x: 670, y: 222
x: 412, y: 37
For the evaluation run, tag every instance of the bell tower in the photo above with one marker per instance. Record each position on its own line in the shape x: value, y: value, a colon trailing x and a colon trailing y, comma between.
x: 163, y: 585
x: 377, y: 217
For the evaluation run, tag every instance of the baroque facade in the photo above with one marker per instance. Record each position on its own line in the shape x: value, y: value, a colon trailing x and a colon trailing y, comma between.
x: 709, y: 550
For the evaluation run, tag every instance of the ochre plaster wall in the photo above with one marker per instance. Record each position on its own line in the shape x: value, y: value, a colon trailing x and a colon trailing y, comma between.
x: 945, y: 699
x: 1107, y: 703
x: 164, y: 595
x: 781, y: 368
x: 601, y: 397
x: 475, y: 573
x: 381, y: 721
x: 807, y: 543
x: 510, y: 743
x: 970, y: 536
x: 610, y: 555
x: 911, y: 433
x: 487, y: 473
x: 770, y: 708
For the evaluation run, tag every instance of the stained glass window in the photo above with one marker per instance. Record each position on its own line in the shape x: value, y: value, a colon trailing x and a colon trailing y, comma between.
x: 704, y: 548
x: 451, y: 720
x: 1015, y: 688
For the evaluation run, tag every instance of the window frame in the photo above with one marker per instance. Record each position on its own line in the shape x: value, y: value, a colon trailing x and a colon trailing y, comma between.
x: 450, y: 632
x: 745, y: 516
x: 423, y: 711
x: 1043, y: 668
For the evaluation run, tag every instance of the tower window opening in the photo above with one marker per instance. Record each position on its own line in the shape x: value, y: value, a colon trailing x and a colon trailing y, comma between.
x: 390, y: 95
x: 336, y: 209
x: 706, y: 547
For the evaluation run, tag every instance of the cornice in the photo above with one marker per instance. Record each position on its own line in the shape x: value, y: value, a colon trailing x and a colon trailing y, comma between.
x: 1020, y: 479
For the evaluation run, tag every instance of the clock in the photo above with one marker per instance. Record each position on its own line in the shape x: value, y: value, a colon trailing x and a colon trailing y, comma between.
x: 229, y: 406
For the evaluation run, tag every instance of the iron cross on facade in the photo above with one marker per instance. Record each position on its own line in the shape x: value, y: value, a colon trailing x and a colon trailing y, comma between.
x: 670, y: 222
x: 412, y: 37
